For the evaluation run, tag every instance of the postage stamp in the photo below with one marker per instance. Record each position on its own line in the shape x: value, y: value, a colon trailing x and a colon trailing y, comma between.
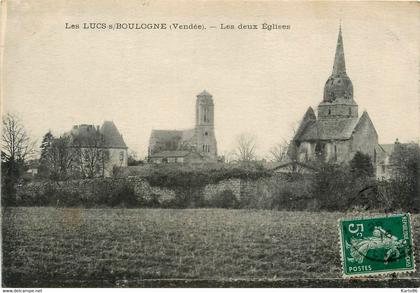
x: 373, y: 246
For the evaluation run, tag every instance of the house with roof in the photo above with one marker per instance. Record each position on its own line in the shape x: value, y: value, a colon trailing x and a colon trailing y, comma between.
x: 176, y: 157
x: 193, y: 145
x: 337, y: 132
x: 102, y: 146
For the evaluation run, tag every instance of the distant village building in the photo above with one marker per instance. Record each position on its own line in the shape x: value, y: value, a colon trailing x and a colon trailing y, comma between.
x: 187, y: 146
x: 32, y: 168
x: 103, y: 144
x: 337, y: 133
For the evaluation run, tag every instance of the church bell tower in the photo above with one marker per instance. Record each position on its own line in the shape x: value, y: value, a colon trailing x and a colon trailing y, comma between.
x: 338, y: 99
x: 204, y: 126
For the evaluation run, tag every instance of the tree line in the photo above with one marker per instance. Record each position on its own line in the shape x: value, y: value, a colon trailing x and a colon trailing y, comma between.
x: 68, y: 157
x: 71, y: 157
x: 62, y: 158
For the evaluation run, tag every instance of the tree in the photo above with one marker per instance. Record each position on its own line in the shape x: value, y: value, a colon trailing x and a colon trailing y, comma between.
x: 91, y: 155
x: 17, y: 147
x: 245, y: 150
x: 46, y: 143
x: 405, y: 164
x: 361, y: 165
x: 132, y: 159
x: 337, y: 188
x: 278, y: 153
x: 16, y: 143
x: 405, y: 161
x: 59, y: 159
x: 45, y: 147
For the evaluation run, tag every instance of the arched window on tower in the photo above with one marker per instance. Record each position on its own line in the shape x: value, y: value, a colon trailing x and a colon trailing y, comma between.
x: 335, y: 153
x: 319, y: 150
x: 206, y: 148
x: 349, y: 111
x: 329, y: 111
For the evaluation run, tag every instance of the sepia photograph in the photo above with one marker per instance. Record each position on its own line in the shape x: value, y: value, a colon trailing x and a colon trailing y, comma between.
x: 209, y: 144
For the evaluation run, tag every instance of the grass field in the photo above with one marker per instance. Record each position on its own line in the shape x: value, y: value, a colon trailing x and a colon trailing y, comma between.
x: 48, y: 247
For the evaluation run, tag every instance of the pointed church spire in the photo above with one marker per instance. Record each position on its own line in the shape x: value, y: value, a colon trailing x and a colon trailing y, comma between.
x: 339, y: 87
x: 339, y: 62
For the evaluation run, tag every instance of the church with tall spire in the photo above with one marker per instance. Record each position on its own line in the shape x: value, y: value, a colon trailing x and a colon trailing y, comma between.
x: 337, y: 132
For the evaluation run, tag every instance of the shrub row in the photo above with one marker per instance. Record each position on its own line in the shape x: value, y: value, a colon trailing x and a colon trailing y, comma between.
x: 171, y: 177
x: 331, y: 187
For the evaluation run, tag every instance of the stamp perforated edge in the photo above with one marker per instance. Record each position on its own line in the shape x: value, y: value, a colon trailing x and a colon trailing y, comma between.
x: 376, y: 274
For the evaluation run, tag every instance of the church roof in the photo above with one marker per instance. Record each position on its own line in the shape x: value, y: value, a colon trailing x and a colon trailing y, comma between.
x: 111, y: 135
x: 332, y: 129
x: 188, y: 134
x: 339, y: 60
x: 328, y: 129
x: 163, y: 135
x: 169, y: 139
x: 308, y: 118
x: 167, y: 135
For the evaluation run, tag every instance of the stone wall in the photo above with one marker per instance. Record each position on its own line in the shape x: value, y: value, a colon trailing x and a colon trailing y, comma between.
x: 96, y: 191
x: 148, y: 192
x: 99, y: 189
x: 263, y: 193
x: 210, y: 191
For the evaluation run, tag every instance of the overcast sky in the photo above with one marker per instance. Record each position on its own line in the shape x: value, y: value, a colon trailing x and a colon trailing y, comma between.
x: 262, y: 82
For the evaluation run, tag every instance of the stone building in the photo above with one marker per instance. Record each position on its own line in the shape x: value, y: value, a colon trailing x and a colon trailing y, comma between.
x: 103, y: 146
x: 191, y: 145
x: 337, y: 132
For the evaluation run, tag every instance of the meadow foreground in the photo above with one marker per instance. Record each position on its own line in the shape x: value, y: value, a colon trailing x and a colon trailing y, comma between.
x: 49, y: 247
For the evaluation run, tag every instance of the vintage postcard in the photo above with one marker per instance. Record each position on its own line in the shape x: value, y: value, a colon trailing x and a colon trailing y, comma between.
x: 225, y: 143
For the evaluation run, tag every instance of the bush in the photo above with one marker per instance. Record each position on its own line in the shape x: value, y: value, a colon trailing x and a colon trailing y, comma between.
x: 406, y: 175
x: 339, y: 187
x: 287, y: 192
x: 183, y: 176
x: 225, y: 200
x: 361, y: 165
x: 123, y: 195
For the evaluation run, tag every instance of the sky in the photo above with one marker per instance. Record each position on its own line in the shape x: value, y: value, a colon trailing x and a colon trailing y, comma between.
x: 262, y: 81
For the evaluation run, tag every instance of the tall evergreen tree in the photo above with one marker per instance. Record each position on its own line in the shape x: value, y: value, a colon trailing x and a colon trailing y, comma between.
x: 46, y: 144
x: 361, y: 165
